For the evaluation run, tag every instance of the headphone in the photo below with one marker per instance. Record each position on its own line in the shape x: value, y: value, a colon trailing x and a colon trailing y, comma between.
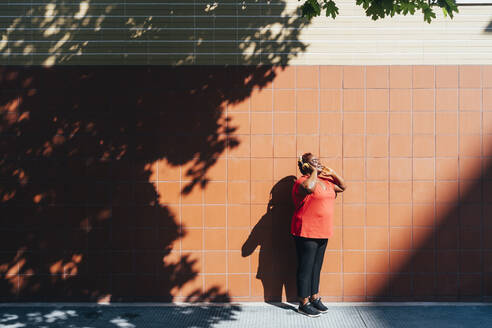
x: 305, y: 166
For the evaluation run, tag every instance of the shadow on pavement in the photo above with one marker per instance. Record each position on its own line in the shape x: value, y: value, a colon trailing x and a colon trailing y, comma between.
x: 117, y: 316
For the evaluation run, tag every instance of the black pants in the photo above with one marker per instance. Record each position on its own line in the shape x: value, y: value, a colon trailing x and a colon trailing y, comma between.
x: 310, y: 254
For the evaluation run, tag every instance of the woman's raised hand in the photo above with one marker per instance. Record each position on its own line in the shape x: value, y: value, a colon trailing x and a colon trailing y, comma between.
x: 328, y: 171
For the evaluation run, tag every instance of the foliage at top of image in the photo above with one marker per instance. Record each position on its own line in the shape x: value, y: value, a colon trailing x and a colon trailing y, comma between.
x: 381, y: 8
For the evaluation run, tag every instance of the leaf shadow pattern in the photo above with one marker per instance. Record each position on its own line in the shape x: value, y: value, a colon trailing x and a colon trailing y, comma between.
x: 87, y: 212
x: 202, y: 316
x: 84, y: 214
x: 276, y: 257
x: 488, y: 28
x: 60, y: 32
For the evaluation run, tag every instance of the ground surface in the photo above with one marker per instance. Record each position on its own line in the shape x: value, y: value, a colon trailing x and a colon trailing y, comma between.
x: 243, y: 315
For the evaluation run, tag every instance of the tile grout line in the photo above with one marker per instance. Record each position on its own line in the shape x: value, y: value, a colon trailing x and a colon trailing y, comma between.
x: 436, y: 241
x: 342, y: 92
x: 194, y: 33
x: 204, y: 234
x: 180, y: 206
x: 250, y: 115
x: 237, y: 32
x: 272, y: 174
x: 295, y: 118
x: 227, y: 197
x: 155, y: 206
x: 458, y: 133
x: 214, y: 30
x: 111, y: 211
x: 412, y: 139
x: 365, y: 181
x: 388, y: 210
x: 482, y: 187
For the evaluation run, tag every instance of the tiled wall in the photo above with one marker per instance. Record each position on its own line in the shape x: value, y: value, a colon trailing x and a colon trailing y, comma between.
x: 199, y: 32
x: 148, y: 183
x: 412, y: 143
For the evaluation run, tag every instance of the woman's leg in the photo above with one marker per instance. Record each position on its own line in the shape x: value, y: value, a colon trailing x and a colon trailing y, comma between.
x: 317, y: 264
x: 306, y: 253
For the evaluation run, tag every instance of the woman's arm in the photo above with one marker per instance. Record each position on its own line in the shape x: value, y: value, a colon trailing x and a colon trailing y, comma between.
x: 310, y: 183
x: 340, y: 185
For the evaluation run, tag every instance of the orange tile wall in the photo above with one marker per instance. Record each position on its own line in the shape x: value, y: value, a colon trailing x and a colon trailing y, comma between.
x: 414, y: 144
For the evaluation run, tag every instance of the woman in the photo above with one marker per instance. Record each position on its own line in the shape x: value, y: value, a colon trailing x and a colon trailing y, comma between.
x: 312, y: 224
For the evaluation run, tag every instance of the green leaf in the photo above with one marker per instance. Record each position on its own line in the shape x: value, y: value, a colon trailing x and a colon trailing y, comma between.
x: 377, y: 9
x: 331, y: 8
x: 310, y: 9
x: 428, y: 13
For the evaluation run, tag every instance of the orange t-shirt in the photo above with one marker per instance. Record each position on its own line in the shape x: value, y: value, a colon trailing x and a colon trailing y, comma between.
x: 313, y: 215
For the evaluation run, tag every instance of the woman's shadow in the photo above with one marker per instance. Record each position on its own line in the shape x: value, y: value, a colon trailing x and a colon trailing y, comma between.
x: 277, y: 260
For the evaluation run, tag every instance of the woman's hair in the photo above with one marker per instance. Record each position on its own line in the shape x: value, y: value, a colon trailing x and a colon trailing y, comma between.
x: 303, y: 160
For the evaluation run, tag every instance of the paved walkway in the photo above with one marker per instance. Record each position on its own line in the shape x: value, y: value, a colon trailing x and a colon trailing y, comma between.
x: 243, y: 315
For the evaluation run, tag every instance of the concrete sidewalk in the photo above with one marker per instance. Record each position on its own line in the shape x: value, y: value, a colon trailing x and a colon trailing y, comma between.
x: 248, y: 315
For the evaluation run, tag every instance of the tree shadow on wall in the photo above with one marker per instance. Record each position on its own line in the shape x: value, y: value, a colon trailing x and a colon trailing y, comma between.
x: 85, y: 214
x: 488, y: 28
x: 276, y: 258
x: 182, y: 32
x: 82, y: 216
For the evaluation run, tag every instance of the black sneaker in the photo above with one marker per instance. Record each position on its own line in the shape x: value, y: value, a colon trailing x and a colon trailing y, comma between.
x: 309, y: 310
x: 319, y: 306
